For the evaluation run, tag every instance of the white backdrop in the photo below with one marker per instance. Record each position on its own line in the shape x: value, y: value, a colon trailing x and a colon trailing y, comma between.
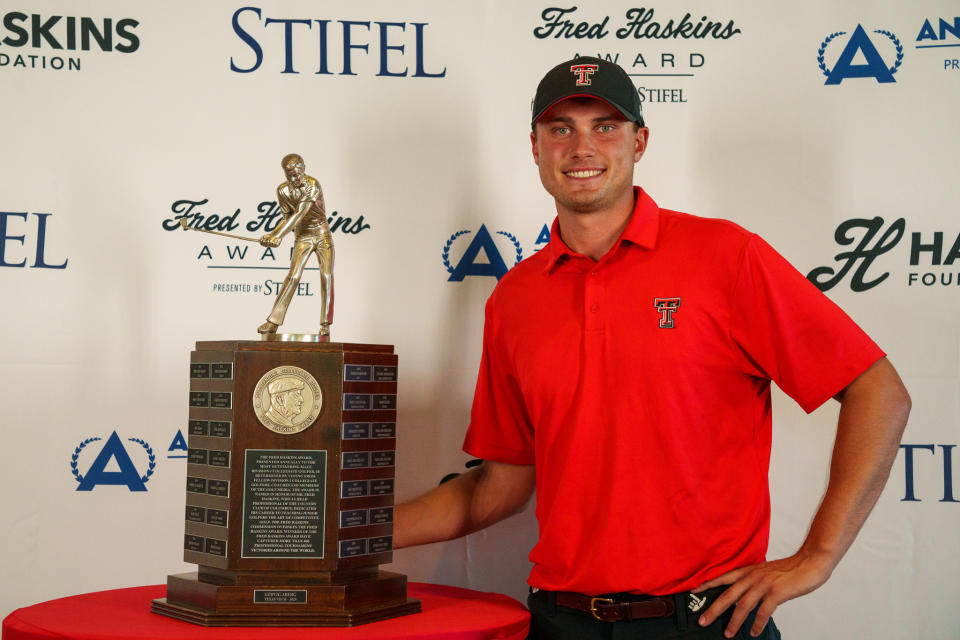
x: 102, y: 304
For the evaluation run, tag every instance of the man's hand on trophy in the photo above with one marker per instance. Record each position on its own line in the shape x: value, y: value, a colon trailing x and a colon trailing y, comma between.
x: 268, y: 240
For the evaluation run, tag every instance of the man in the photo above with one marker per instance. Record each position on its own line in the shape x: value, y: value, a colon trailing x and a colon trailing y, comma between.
x: 626, y: 375
x: 301, y: 203
x: 286, y: 398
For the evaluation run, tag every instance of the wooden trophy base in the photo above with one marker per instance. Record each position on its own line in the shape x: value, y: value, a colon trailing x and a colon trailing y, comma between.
x: 287, y: 605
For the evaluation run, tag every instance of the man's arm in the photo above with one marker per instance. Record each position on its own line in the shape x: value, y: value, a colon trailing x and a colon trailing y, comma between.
x: 873, y: 414
x: 471, y: 501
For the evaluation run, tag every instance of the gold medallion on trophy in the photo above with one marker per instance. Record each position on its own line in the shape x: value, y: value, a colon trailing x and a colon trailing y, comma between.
x: 287, y: 400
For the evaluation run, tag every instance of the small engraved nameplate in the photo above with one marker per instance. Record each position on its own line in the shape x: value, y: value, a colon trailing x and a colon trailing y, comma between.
x: 217, y: 517
x: 220, y: 429
x: 355, y: 460
x: 385, y: 401
x: 199, y: 370
x: 199, y: 399
x: 381, y: 487
x: 193, y: 543
x: 196, y: 485
x: 198, y: 427
x: 276, y: 596
x: 219, y: 459
x: 350, y: 548
x: 356, y: 401
x: 195, y: 514
x: 354, y: 518
x: 221, y: 488
x: 221, y: 399
x: 381, y: 515
x: 384, y: 429
x: 197, y: 456
x: 356, y: 430
x: 357, y: 372
x: 381, y: 544
x: 385, y: 374
x: 215, y: 547
x: 221, y: 370
x: 354, y: 488
x: 383, y: 459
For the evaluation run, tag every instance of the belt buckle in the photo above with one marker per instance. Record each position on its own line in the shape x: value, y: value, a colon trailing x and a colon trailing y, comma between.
x: 593, y: 606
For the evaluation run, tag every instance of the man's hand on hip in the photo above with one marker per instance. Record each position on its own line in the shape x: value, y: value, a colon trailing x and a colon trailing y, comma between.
x: 768, y: 584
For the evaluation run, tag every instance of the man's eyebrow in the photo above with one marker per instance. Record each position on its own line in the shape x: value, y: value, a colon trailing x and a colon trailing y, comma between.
x: 568, y: 120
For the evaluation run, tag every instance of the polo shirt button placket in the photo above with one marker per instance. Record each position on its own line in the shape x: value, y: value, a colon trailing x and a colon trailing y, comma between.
x: 591, y: 299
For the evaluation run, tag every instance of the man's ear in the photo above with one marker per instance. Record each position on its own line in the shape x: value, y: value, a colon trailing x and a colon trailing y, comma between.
x: 533, y: 144
x: 643, y: 136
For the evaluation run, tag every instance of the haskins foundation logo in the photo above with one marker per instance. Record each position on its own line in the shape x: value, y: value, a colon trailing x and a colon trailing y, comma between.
x: 48, y: 42
x: 932, y: 257
x: 860, y: 55
x: 662, y: 52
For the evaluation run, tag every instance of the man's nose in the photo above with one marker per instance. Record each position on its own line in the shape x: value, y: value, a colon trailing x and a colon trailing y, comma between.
x: 583, y: 146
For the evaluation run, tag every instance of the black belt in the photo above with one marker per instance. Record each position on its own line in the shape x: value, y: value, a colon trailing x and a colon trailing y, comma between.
x: 624, y: 606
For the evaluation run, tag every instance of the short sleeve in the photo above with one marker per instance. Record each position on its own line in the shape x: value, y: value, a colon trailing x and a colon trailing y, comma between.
x: 499, y: 428
x: 790, y: 332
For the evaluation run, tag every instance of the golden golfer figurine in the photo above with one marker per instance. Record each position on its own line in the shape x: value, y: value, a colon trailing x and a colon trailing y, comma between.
x: 301, y: 204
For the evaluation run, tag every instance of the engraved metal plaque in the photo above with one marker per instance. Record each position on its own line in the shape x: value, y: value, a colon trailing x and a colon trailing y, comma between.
x: 283, y: 503
x: 287, y: 400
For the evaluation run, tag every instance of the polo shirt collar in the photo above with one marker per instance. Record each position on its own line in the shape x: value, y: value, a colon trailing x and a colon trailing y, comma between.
x: 641, y: 230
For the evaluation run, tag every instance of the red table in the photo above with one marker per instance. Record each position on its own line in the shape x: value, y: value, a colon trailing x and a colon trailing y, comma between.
x: 449, y: 613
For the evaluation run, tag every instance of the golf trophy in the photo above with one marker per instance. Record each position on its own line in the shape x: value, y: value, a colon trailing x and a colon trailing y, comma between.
x: 291, y: 463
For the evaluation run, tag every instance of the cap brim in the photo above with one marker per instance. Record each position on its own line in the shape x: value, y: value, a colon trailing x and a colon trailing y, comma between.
x: 625, y: 113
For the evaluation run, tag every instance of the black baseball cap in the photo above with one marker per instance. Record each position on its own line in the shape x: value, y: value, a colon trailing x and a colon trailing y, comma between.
x: 591, y: 78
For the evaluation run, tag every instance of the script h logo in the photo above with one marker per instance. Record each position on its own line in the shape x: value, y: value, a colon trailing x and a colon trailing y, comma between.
x: 872, y: 243
x: 583, y: 73
x: 667, y: 307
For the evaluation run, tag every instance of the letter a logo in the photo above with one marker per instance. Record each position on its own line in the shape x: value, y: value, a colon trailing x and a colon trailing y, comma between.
x: 468, y: 265
x: 127, y: 475
x: 875, y: 67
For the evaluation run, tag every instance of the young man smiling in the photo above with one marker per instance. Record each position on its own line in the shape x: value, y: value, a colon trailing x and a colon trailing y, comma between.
x: 626, y: 377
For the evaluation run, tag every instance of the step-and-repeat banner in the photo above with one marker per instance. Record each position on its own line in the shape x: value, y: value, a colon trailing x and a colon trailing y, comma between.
x: 826, y: 127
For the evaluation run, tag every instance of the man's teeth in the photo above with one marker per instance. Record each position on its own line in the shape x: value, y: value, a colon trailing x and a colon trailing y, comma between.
x: 584, y: 173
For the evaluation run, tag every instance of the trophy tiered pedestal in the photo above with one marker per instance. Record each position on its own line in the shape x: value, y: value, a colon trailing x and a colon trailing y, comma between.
x: 290, y: 483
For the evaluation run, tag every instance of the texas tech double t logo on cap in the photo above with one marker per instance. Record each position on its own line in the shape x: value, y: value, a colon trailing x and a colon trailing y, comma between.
x: 583, y: 73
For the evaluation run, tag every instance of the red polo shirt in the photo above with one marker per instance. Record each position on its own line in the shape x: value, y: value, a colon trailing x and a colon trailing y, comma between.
x: 639, y: 385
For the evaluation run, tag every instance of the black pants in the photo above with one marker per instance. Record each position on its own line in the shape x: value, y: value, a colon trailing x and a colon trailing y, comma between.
x: 549, y: 622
